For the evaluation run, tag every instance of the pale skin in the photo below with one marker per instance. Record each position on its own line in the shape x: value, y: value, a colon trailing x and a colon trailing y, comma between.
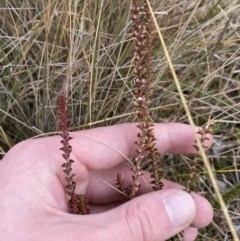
x: 34, y: 204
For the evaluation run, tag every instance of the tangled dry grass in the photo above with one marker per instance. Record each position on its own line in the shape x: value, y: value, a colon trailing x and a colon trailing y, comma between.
x: 86, y: 49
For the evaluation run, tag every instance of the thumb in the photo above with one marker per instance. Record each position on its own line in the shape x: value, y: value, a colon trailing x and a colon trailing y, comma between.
x: 154, y: 216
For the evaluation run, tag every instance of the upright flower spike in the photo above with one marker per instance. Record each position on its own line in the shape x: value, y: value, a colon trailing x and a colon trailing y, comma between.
x: 153, y: 153
x: 77, y: 203
x: 66, y: 148
x: 203, y: 137
x: 142, y: 25
x: 141, y: 103
x: 146, y: 150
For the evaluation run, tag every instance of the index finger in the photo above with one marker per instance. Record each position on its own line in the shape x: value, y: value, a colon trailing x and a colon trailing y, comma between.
x: 105, y: 147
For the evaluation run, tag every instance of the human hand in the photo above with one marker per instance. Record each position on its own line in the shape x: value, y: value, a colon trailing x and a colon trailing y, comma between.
x: 34, y: 204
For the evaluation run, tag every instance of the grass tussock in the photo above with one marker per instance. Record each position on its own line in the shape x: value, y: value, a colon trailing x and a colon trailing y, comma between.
x: 85, y: 48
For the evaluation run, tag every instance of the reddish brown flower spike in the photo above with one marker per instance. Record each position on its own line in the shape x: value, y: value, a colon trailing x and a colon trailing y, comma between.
x: 78, y: 203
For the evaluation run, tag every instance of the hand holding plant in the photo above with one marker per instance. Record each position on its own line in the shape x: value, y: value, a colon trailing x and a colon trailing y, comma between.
x: 34, y: 203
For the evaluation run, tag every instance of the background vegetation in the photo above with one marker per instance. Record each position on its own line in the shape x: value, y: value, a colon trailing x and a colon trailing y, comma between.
x: 86, y: 49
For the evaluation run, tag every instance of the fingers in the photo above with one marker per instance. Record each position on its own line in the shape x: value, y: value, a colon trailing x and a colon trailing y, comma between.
x: 204, y: 211
x: 190, y: 234
x: 102, y: 184
x: 155, y: 216
x: 101, y: 191
x: 106, y: 147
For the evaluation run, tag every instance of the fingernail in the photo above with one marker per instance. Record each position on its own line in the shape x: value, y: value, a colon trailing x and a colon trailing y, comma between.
x: 180, y: 208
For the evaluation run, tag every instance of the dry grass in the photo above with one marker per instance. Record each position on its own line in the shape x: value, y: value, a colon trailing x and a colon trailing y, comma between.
x: 85, y: 48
